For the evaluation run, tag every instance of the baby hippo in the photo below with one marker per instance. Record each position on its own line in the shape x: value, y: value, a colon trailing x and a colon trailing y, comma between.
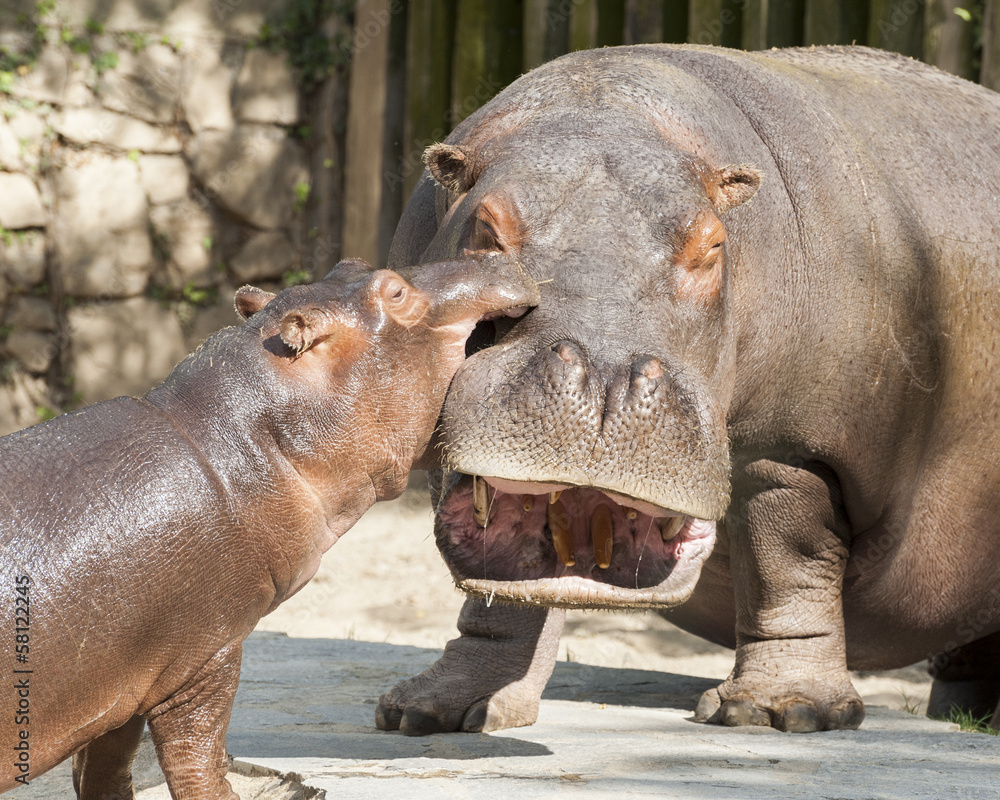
x: 142, y: 539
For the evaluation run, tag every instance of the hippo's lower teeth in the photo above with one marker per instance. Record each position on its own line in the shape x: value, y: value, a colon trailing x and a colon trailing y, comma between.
x: 527, y: 502
x: 671, y: 526
x: 553, y: 496
x: 602, y: 535
x: 562, y: 540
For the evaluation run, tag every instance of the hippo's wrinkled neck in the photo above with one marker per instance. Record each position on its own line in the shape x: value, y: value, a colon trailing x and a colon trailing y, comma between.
x: 261, y: 439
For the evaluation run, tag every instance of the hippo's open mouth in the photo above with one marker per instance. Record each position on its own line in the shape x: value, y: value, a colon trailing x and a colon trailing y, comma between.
x: 555, y: 545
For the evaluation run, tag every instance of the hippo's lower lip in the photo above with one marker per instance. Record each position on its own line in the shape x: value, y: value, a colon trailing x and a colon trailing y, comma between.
x: 572, y: 547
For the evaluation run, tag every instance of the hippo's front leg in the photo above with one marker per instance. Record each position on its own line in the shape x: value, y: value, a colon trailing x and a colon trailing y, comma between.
x: 789, y: 553
x: 189, y: 730
x: 104, y: 767
x: 491, y: 677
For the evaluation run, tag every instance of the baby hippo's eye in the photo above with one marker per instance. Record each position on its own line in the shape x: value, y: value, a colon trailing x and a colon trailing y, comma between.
x: 394, y: 291
x: 404, y: 303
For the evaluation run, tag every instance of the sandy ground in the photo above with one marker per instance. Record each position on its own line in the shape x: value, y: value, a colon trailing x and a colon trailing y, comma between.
x: 384, y: 582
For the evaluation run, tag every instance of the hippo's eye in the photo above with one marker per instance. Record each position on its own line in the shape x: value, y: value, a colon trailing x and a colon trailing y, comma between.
x: 496, y: 226
x: 699, y: 260
x: 484, y: 237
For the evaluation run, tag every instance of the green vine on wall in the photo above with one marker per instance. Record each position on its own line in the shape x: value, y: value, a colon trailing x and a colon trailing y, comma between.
x: 41, y: 26
x: 299, y: 30
x: 19, y: 61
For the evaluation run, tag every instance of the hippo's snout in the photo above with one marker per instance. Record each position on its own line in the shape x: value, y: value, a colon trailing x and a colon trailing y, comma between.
x: 579, y: 481
x: 643, y: 428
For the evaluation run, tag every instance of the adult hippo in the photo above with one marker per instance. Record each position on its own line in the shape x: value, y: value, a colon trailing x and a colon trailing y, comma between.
x: 768, y: 323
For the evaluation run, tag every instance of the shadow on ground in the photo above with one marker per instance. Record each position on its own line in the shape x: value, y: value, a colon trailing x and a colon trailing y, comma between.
x: 305, y: 710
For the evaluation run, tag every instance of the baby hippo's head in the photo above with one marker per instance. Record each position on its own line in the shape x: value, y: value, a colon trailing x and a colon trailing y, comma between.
x: 373, y: 353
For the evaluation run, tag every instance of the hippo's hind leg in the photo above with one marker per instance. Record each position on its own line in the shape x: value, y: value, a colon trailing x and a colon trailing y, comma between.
x: 189, y: 730
x: 968, y: 679
x: 103, y: 769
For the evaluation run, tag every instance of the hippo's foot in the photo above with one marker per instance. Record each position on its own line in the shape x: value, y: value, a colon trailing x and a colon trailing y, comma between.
x: 978, y: 699
x: 967, y: 679
x: 451, y: 697
x: 490, y: 678
x: 823, y: 701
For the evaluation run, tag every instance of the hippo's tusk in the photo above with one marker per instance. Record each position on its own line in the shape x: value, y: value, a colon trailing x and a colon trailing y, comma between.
x: 671, y: 526
x: 562, y: 540
x: 602, y: 535
x: 480, y: 507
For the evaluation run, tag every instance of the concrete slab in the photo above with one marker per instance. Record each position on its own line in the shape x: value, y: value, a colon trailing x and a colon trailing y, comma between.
x: 303, y: 721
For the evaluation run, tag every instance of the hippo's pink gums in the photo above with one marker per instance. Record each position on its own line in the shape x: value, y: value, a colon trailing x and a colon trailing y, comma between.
x: 152, y: 534
x: 769, y: 323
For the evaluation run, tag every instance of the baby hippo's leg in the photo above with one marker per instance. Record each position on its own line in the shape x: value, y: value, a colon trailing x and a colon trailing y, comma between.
x: 189, y: 730
x: 103, y: 769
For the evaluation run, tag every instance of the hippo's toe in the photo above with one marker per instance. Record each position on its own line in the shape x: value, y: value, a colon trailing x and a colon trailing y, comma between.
x: 816, y: 706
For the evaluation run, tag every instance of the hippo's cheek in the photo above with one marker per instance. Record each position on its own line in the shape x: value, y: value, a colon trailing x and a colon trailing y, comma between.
x: 578, y: 547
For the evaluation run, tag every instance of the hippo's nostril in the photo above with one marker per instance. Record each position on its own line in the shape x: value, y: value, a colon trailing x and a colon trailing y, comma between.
x: 647, y: 367
x: 651, y: 369
x: 483, y: 335
x: 567, y: 351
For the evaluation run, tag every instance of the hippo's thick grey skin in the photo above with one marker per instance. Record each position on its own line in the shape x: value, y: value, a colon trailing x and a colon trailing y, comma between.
x: 150, y: 535
x: 769, y: 303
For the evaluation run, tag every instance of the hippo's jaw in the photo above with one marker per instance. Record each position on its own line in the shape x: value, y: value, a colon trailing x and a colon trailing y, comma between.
x: 567, y: 547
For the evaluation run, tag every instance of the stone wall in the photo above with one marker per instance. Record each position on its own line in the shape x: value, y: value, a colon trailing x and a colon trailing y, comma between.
x: 153, y: 157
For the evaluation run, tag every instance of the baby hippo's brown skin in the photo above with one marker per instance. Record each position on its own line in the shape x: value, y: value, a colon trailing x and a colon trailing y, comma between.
x: 156, y: 532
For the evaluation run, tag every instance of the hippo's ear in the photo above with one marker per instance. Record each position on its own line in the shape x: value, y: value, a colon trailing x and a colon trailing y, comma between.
x: 405, y: 304
x: 304, y: 327
x: 450, y: 166
x: 732, y: 186
x: 250, y: 300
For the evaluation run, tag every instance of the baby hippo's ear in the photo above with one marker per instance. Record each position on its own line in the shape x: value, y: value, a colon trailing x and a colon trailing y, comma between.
x: 304, y: 327
x: 405, y: 304
x: 250, y: 300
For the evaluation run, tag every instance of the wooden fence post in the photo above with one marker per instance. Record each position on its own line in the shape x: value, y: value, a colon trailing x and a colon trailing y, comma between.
x: 648, y: 21
x: 772, y: 23
x: 372, y: 176
x: 430, y: 41
x: 949, y: 39
x: 989, y: 75
x: 643, y: 22
x: 546, y: 30
x: 897, y: 25
x: 328, y: 112
x: 488, y: 52
x: 844, y: 22
x: 715, y: 22
x: 596, y: 23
